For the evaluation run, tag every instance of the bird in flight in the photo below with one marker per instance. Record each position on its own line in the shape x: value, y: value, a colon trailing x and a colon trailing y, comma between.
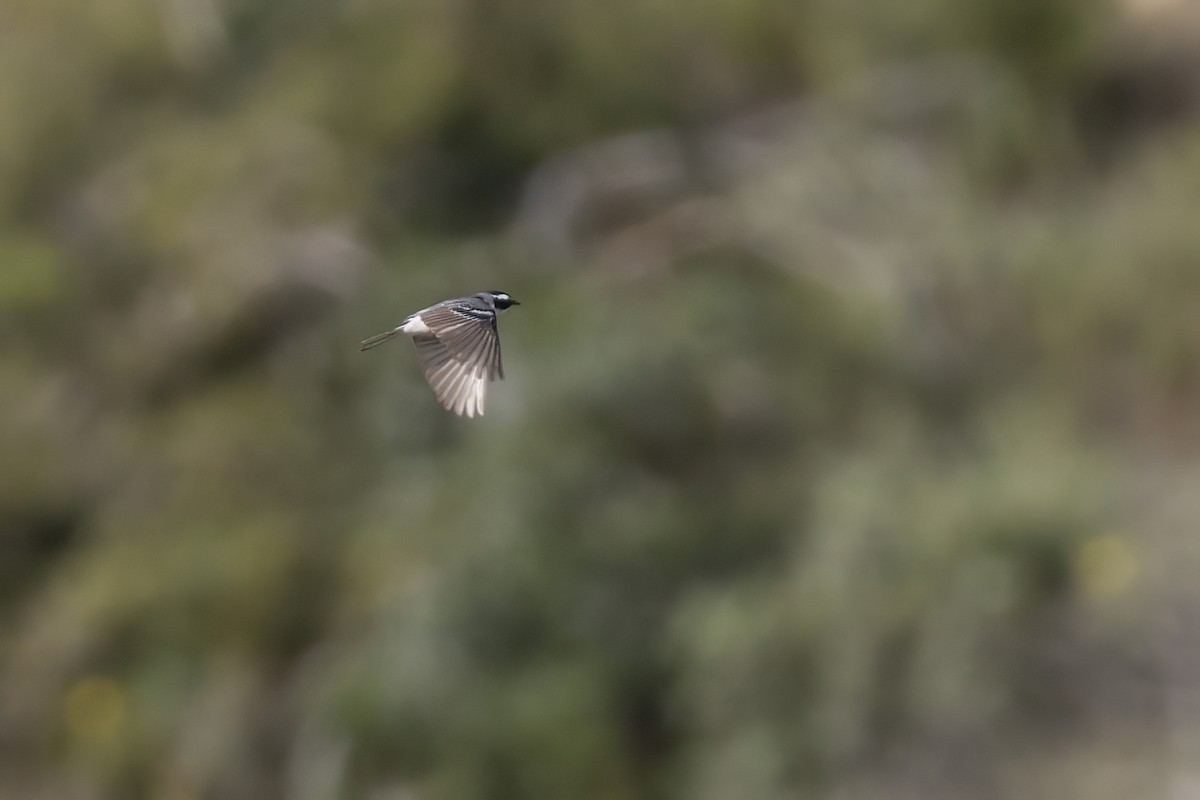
x: 459, y: 347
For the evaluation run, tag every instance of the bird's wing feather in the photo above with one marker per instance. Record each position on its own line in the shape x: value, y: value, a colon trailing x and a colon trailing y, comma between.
x: 470, y: 336
x: 460, y: 355
x: 457, y: 386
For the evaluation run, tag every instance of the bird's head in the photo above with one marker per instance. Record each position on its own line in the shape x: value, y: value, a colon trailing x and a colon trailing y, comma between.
x: 503, y: 300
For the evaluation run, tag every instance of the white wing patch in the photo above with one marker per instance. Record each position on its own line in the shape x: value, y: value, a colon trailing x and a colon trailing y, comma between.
x: 415, y: 325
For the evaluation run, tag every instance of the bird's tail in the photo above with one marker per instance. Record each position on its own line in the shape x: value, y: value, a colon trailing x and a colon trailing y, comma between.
x: 378, y: 339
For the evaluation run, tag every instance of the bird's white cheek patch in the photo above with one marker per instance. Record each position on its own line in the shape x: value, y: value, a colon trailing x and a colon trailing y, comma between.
x: 415, y: 325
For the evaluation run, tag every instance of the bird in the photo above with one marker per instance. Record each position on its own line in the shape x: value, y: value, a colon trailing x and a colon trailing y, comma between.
x: 458, y: 344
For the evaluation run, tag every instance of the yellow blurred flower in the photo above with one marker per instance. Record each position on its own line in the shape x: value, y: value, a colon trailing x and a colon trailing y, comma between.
x: 1105, y: 566
x: 94, y: 710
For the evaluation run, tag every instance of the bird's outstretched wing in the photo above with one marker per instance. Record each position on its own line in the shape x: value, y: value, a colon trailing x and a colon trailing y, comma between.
x: 460, y: 355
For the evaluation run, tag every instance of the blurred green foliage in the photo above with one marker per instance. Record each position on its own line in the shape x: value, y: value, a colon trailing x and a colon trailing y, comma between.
x: 844, y: 451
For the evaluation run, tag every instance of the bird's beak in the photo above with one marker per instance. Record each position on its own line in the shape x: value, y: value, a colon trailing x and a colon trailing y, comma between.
x: 515, y: 302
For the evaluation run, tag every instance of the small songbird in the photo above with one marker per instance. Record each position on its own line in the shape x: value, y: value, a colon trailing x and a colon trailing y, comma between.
x: 459, y: 347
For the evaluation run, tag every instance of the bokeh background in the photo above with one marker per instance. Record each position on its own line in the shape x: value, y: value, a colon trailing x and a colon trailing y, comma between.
x: 848, y: 448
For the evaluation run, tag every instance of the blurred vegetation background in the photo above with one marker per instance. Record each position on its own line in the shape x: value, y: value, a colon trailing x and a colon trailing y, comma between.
x: 848, y: 448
